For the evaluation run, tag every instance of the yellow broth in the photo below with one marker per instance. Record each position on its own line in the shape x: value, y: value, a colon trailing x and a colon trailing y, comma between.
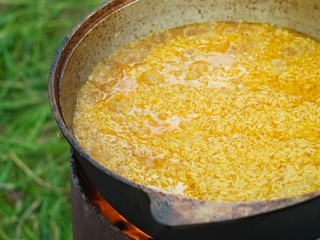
x: 216, y: 111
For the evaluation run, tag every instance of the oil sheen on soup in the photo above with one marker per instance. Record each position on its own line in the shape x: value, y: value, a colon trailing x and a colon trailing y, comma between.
x: 220, y: 111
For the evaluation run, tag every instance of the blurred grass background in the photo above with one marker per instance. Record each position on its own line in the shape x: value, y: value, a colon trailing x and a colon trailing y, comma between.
x: 34, y: 162
x: 34, y: 168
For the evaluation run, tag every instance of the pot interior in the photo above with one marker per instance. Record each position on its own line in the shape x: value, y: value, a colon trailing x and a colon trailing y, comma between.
x: 121, y: 22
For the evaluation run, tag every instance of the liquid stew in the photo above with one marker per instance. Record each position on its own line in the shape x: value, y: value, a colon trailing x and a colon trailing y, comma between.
x: 220, y: 111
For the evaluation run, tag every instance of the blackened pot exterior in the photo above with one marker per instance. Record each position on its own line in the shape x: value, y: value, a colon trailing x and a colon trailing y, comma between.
x: 162, y: 215
x: 297, y: 222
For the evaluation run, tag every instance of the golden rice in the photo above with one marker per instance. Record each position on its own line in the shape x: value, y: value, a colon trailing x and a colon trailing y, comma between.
x: 215, y: 111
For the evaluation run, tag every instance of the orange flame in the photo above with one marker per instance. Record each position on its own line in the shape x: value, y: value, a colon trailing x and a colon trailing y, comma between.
x: 110, y: 213
x: 116, y: 219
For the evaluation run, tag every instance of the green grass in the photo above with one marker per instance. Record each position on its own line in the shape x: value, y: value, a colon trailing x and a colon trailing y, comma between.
x: 34, y: 165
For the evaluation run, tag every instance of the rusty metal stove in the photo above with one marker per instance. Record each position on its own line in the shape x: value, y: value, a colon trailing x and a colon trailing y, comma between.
x: 88, y: 222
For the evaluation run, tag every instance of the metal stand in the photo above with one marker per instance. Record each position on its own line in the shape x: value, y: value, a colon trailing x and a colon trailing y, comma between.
x: 87, y: 221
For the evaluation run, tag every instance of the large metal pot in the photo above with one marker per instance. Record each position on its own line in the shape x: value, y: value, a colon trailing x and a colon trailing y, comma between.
x: 165, y: 216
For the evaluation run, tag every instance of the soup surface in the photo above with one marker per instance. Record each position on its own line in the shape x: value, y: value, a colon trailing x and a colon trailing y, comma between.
x: 216, y: 111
